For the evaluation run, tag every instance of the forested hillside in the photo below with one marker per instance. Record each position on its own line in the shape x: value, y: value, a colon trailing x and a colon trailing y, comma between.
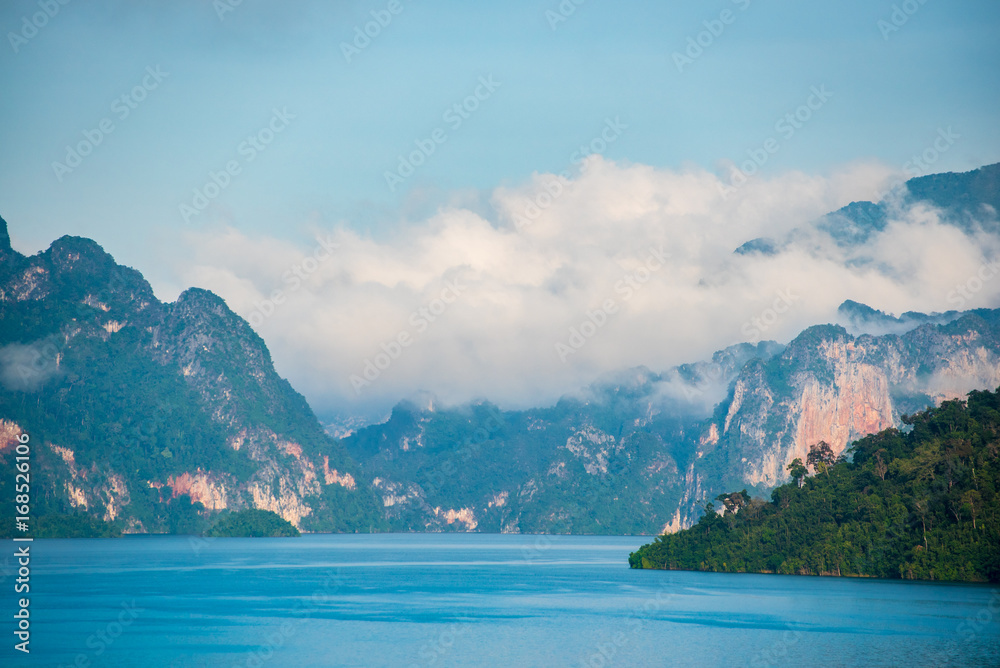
x: 152, y: 417
x: 919, y: 504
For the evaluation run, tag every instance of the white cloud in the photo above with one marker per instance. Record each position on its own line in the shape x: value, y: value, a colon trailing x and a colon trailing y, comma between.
x: 520, y: 290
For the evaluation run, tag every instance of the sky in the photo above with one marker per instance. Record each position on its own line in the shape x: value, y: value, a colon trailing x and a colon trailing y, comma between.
x: 506, y: 167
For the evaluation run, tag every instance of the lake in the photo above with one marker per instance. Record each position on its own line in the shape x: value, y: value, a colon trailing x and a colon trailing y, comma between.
x: 426, y: 600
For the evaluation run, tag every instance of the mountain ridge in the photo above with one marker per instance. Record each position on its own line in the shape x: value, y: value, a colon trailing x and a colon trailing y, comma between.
x: 218, y: 428
x: 636, y: 446
x: 154, y: 416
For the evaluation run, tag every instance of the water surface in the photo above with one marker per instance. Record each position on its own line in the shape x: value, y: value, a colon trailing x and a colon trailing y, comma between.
x: 470, y: 600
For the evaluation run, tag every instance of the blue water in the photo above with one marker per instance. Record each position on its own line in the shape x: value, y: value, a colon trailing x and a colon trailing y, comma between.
x: 468, y: 600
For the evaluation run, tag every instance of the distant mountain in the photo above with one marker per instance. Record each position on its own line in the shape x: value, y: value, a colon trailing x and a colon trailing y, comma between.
x: 154, y: 416
x: 640, y: 452
x: 608, y: 460
x: 861, y: 319
x: 967, y: 200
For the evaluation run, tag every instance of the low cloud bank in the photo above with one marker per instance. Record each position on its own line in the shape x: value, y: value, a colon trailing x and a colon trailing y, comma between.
x: 625, y: 265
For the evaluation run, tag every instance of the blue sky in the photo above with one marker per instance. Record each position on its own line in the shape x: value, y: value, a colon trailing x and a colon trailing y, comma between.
x: 558, y: 86
x: 334, y: 126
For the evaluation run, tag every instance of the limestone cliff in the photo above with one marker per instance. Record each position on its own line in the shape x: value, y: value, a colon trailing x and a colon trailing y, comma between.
x: 141, y: 408
x: 833, y: 387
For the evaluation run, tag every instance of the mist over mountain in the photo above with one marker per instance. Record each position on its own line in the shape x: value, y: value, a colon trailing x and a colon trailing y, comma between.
x: 637, y: 453
x: 151, y: 416
x: 527, y: 320
x: 862, y: 319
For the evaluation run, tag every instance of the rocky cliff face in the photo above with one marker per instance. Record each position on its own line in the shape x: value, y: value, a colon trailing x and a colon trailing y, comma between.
x: 617, y: 458
x: 155, y: 416
x: 634, y: 454
x: 143, y: 409
x: 830, y: 386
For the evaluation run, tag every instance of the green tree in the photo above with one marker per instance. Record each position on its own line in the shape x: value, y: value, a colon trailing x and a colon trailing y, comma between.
x: 797, y: 470
x: 821, y: 457
x: 921, y: 505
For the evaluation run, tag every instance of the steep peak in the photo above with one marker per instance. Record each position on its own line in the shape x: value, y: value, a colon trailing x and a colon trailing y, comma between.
x: 197, y: 305
x: 761, y: 245
x: 201, y: 297
x: 807, y: 344
x: 69, y: 252
x: 82, y: 268
x: 10, y: 259
x: 206, y: 307
x: 853, y: 309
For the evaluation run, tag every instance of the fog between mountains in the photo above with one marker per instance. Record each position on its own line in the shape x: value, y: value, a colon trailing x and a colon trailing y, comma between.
x: 332, y: 307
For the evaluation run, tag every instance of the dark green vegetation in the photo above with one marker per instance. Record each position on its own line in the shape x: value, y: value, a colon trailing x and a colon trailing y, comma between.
x: 74, y: 525
x: 152, y: 417
x: 640, y: 449
x: 917, y: 505
x: 139, y: 410
x: 631, y: 451
x: 609, y: 461
x: 252, y: 523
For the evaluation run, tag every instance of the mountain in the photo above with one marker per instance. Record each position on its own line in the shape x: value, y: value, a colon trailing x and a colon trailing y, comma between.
x: 153, y: 417
x: 640, y: 452
x: 830, y: 386
x: 157, y: 417
x: 858, y: 319
x: 924, y: 504
x: 967, y: 200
